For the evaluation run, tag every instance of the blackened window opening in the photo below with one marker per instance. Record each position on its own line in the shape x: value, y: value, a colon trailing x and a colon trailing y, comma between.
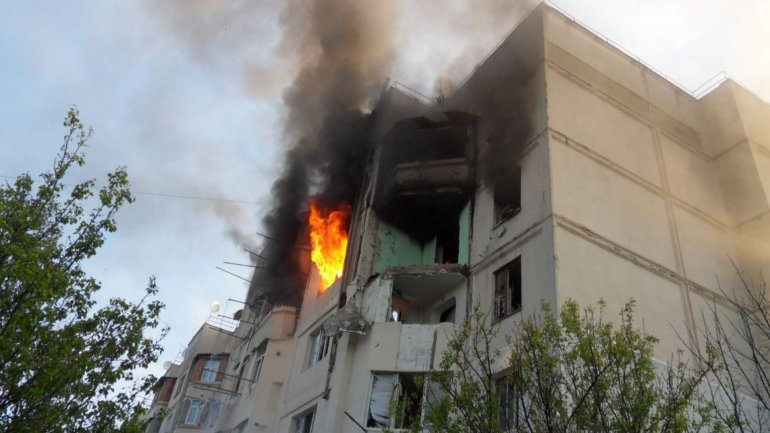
x: 448, y: 241
x: 448, y: 315
x: 508, y: 196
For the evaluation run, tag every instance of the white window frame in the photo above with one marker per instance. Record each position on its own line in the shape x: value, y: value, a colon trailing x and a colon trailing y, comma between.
x: 301, y: 421
x: 259, y: 361
x: 198, y: 406
x: 209, y: 374
x: 319, y: 347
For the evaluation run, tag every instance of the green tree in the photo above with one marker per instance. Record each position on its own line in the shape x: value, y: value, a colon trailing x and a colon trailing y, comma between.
x: 68, y: 365
x: 568, y: 372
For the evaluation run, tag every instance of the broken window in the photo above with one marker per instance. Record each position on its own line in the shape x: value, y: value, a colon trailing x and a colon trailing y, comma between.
x: 396, y: 400
x: 319, y: 348
x: 304, y: 422
x: 508, y: 289
x: 508, y: 196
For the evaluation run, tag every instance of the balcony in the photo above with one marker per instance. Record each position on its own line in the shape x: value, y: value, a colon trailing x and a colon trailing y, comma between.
x: 404, y: 347
x: 453, y: 175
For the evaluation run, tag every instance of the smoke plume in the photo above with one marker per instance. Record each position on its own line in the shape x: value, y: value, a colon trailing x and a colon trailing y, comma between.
x: 339, y: 52
x: 344, y: 49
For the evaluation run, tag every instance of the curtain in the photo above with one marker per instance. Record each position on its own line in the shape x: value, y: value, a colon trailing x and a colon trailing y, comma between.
x: 383, y: 386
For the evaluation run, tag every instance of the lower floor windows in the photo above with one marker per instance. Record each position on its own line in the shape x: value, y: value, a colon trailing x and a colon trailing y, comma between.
x: 398, y: 400
x: 508, y: 415
x: 304, y: 423
x: 197, y: 412
x: 192, y: 412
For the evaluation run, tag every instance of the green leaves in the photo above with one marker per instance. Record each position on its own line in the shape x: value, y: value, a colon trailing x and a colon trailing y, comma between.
x: 63, y: 360
x: 574, y: 371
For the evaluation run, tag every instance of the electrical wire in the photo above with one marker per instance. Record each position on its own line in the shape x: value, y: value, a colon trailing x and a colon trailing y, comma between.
x: 178, y: 196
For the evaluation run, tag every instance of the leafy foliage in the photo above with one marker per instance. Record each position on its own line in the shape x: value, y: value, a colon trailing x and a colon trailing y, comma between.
x: 62, y: 357
x: 570, y: 372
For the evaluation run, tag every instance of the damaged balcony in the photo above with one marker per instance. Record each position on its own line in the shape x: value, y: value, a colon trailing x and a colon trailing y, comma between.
x: 425, y: 180
x: 444, y: 176
x: 427, y: 295
x: 419, y: 295
x: 421, y: 156
x: 414, y: 312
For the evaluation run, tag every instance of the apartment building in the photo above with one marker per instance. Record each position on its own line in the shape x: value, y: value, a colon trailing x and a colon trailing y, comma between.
x: 561, y: 168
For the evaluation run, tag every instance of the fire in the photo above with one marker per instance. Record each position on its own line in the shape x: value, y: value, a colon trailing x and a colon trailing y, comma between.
x: 328, y: 240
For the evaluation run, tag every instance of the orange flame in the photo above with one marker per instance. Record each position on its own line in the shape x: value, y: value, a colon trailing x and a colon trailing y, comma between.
x: 328, y: 240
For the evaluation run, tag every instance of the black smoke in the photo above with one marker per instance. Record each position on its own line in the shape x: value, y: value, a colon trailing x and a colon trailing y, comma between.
x: 344, y: 49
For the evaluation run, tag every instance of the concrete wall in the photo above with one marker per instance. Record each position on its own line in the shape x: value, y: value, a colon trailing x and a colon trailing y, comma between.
x: 208, y: 340
x: 257, y: 402
x: 650, y: 185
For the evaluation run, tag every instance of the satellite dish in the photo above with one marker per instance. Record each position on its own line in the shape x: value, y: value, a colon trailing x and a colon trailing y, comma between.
x: 167, y: 365
x: 215, y: 307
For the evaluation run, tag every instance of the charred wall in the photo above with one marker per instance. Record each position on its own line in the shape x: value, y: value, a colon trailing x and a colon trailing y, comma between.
x: 425, y: 174
x: 505, y: 92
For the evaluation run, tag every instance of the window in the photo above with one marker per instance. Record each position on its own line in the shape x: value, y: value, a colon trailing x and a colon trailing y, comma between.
x: 508, y: 289
x: 395, y: 400
x: 210, y: 370
x: 508, y: 196
x: 304, y: 422
x: 194, y: 408
x: 258, y: 362
x: 508, y: 415
x: 319, y: 348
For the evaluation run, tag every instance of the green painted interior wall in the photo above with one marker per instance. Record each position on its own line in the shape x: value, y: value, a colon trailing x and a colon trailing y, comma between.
x: 465, y: 235
x: 395, y: 249
x: 429, y: 252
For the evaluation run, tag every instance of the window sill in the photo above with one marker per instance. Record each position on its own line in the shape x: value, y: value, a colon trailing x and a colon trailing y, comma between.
x: 506, y: 219
x: 500, y: 319
x: 207, y: 381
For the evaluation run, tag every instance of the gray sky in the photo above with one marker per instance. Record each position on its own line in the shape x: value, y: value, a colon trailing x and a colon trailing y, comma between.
x: 187, y: 95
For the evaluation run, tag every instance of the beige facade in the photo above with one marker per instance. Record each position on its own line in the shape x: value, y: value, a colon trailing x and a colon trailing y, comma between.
x: 565, y: 169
